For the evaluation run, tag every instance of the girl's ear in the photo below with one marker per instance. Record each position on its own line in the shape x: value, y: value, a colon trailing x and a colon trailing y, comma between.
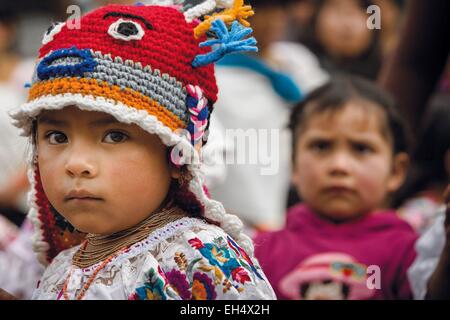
x: 399, y: 169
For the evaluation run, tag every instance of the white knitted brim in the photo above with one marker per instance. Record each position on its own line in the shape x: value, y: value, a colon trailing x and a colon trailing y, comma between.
x: 23, y: 116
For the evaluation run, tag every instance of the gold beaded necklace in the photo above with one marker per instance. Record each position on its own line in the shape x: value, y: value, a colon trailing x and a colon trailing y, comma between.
x: 98, y: 248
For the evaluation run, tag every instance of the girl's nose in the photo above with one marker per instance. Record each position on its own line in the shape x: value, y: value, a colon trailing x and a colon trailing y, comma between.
x: 340, y: 164
x: 79, y: 166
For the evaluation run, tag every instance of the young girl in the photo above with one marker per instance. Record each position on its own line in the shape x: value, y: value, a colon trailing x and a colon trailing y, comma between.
x: 349, y: 155
x: 117, y: 194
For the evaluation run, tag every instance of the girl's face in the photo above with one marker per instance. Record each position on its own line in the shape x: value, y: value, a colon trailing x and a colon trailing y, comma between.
x: 343, y: 164
x: 342, y: 29
x: 103, y: 176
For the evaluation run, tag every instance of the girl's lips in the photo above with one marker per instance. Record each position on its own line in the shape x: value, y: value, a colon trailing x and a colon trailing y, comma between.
x: 83, y: 201
x: 338, y: 190
x: 81, y: 195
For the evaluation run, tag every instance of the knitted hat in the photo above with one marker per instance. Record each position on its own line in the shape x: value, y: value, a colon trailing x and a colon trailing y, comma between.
x: 146, y: 65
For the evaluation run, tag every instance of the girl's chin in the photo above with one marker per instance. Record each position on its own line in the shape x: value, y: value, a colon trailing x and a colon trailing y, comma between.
x: 90, y: 226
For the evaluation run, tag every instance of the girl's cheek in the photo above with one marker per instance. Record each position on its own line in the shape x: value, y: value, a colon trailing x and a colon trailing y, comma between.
x: 52, y: 169
x: 309, y: 170
x: 50, y: 182
x: 370, y: 177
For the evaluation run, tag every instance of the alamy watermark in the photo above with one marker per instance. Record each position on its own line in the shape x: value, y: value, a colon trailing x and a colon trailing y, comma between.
x: 245, y: 147
x: 373, y: 277
x: 374, y: 20
x: 74, y: 20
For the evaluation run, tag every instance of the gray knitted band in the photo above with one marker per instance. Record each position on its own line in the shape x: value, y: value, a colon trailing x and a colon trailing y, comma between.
x: 166, y: 90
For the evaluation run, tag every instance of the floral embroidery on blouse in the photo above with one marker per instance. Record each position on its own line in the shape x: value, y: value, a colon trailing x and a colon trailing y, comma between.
x: 223, y: 265
x: 187, y: 259
x: 156, y: 287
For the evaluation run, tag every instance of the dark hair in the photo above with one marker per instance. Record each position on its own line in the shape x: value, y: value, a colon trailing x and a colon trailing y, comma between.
x: 428, y: 159
x: 341, y: 89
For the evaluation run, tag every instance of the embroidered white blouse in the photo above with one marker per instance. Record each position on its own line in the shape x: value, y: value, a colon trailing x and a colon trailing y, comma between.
x: 186, y: 259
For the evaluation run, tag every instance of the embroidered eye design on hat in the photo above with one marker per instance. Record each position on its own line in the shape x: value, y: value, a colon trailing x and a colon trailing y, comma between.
x: 127, y: 29
x: 53, y: 30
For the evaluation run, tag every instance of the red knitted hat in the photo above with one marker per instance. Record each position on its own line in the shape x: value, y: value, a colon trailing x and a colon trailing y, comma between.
x: 152, y: 66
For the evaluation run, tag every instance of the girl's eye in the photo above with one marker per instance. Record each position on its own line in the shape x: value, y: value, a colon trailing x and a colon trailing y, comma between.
x: 362, y: 148
x: 115, y: 137
x: 320, y: 146
x: 56, y: 137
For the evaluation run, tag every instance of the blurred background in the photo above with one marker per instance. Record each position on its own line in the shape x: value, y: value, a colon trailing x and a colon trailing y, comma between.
x: 301, y: 44
x: 305, y: 40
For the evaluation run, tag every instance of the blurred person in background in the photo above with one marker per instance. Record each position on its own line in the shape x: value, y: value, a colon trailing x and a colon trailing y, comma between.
x: 415, y: 68
x: 412, y: 75
x: 301, y: 13
x: 336, y: 31
x: 340, y: 38
x: 255, y: 95
x: 20, y: 22
x: 271, y: 25
x: 391, y: 14
x: 32, y: 22
x: 19, y: 269
x: 349, y: 155
x: 422, y: 194
x: 429, y: 275
x: 13, y: 72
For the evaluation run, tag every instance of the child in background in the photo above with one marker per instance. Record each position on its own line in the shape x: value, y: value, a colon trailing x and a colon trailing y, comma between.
x: 341, y: 39
x: 349, y: 155
x: 257, y: 92
x: 420, y: 197
x: 391, y: 21
x: 118, y: 201
x: 14, y: 71
x: 19, y: 268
